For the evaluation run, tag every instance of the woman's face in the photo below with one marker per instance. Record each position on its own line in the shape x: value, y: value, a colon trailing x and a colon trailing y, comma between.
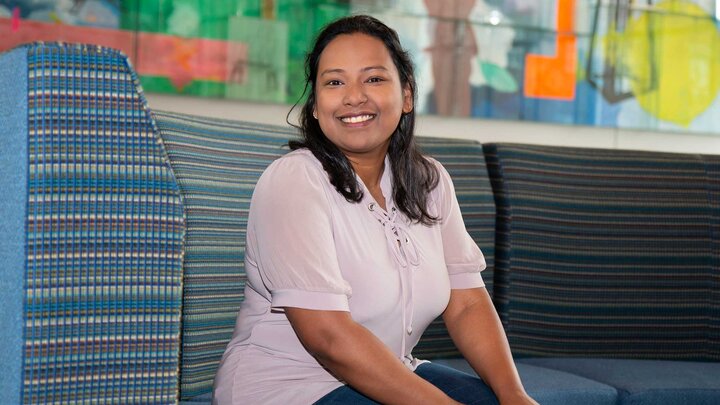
x: 359, y: 97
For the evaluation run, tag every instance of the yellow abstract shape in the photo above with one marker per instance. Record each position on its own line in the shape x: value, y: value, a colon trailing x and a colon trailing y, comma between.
x: 673, y: 56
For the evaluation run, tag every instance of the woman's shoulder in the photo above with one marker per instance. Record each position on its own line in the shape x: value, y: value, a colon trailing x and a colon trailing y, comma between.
x: 295, y: 162
x: 295, y: 172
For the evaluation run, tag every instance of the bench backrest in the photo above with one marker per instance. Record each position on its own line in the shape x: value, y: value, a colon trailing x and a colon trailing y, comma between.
x: 606, y: 253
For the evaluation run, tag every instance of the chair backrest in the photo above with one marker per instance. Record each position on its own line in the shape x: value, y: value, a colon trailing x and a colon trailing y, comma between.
x: 92, y: 233
x: 605, y: 253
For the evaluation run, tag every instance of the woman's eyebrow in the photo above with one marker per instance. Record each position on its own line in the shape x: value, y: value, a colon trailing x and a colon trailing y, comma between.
x: 378, y: 67
x: 365, y: 69
x: 328, y: 71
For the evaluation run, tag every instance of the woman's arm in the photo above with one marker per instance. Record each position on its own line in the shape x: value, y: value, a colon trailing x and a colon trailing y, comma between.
x: 354, y: 355
x: 477, y: 332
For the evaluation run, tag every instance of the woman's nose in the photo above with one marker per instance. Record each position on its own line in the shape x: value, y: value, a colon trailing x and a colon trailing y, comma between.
x: 354, y: 94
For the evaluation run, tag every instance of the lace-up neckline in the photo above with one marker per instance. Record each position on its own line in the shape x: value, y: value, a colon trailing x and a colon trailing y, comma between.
x: 401, y: 245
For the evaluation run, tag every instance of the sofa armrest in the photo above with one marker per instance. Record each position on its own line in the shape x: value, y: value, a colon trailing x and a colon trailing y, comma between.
x: 95, y: 227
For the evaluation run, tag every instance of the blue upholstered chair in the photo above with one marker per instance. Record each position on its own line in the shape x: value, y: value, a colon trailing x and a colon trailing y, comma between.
x: 91, y: 233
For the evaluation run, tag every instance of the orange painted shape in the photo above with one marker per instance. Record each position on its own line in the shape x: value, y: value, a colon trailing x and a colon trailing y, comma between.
x: 182, y: 60
x: 555, y: 76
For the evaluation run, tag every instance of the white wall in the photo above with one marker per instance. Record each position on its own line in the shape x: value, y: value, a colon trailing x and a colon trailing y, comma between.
x: 482, y: 130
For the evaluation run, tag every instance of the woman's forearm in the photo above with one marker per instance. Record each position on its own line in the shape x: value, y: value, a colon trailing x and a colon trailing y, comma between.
x: 354, y: 355
x: 476, y: 330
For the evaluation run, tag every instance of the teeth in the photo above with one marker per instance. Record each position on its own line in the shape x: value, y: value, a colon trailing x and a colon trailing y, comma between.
x: 357, y: 119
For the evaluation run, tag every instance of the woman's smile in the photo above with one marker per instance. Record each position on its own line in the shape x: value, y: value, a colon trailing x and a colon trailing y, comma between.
x: 357, y: 119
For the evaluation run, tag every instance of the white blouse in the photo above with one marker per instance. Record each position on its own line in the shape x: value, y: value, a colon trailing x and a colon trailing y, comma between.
x: 308, y: 247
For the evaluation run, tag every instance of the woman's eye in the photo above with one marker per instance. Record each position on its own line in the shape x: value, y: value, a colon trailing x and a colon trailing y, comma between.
x: 375, y: 79
x: 334, y: 82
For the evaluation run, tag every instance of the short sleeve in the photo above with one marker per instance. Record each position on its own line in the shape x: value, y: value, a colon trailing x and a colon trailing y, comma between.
x: 463, y: 257
x: 290, y: 230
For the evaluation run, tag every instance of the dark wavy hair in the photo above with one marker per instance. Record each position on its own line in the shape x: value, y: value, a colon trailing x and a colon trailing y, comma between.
x: 413, y: 175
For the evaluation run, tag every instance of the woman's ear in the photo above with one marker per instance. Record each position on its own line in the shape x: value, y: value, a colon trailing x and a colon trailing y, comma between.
x: 408, y: 104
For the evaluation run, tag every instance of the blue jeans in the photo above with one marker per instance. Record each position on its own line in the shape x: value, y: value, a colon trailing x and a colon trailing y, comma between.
x: 459, y: 386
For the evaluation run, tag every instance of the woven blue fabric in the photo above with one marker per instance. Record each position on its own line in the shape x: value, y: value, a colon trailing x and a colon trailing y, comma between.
x: 603, y: 253
x: 13, y: 205
x: 105, y: 230
x: 712, y: 167
x: 646, y: 382
x: 217, y: 163
x: 553, y: 387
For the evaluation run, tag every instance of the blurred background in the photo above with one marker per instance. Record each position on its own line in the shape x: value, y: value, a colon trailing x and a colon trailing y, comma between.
x: 630, y: 64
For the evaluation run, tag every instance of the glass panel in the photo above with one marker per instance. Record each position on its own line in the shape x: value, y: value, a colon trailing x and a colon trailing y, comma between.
x: 644, y: 64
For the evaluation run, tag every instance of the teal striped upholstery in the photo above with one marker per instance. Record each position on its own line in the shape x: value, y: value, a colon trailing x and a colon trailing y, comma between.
x: 217, y: 164
x: 712, y: 165
x: 464, y: 161
x: 603, y: 252
x: 104, y: 236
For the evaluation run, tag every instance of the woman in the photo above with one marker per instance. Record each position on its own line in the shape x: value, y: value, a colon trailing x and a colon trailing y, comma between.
x: 355, y: 244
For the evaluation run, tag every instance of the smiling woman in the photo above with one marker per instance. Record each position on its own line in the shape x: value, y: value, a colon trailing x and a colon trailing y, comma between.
x: 359, y: 101
x: 355, y: 244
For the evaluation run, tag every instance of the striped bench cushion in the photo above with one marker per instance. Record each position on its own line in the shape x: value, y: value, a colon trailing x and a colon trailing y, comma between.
x: 217, y: 163
x: 712, y: 166
x: 602, y: 253
x: 104, y: 231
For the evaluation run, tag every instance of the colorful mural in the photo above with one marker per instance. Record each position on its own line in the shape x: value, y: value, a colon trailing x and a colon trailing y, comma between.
x: 673, y: 58
x: 644, y: 64
x: 95, y: 13
x: 631, y: 64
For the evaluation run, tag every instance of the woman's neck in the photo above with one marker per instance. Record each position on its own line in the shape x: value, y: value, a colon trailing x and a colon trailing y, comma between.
x: 370, y: 170
x: 369, y: 165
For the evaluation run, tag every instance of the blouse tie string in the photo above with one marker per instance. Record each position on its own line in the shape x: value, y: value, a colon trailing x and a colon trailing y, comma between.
x: 404, y: 250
